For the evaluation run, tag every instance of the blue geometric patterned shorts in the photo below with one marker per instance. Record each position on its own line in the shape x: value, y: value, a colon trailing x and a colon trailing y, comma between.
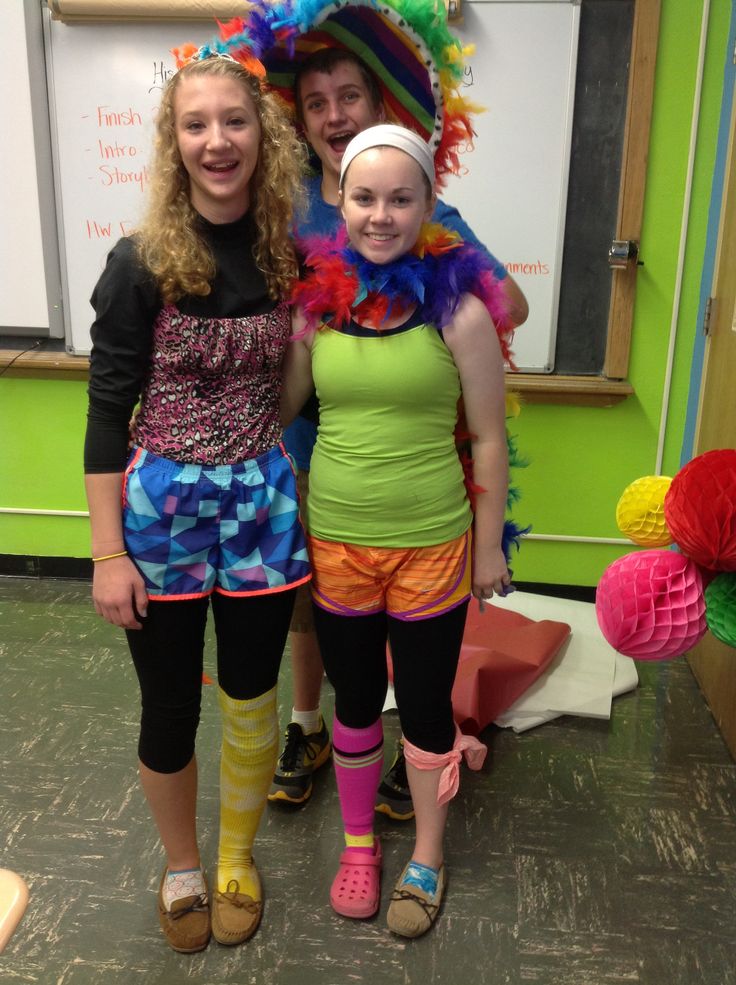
x: 195, y: 529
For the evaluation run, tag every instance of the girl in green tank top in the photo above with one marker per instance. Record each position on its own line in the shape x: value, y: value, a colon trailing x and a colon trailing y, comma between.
x: 393, y: 328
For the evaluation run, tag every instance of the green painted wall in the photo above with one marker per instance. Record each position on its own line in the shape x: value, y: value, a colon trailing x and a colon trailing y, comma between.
x: 43, y: 433
x: 581, y: 458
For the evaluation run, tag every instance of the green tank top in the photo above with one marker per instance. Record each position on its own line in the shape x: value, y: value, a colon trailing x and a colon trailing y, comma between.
x: 385, y: 471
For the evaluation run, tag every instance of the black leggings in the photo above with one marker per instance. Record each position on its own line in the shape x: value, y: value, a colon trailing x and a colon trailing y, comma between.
x: 168, y: 657
x: 424, y: 655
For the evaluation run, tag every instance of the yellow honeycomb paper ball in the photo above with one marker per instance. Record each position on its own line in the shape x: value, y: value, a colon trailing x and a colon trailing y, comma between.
x: 640, y: 511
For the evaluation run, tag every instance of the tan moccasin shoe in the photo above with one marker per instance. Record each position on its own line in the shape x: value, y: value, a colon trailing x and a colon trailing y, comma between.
x: 186, y: 925
x: 235, y: 916
x: 412, y: 911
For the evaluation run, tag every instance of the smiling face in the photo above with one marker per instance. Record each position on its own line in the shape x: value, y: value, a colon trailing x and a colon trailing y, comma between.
x: 218, y: 134
x: 385, y: 199
x: 334, y: 107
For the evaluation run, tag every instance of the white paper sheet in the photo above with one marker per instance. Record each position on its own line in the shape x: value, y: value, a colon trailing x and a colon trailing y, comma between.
x: 584, y: 676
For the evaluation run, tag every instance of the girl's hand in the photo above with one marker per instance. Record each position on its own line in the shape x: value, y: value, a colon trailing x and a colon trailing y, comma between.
x: 298, y: 384
x: 119, y: 593
x: 490, y: 574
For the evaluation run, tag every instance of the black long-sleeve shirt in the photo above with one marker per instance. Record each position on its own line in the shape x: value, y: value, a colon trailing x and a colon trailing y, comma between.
x: 127, y: 302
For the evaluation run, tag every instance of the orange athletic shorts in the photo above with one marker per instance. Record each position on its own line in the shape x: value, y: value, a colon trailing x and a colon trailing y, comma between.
x: 407, y: 583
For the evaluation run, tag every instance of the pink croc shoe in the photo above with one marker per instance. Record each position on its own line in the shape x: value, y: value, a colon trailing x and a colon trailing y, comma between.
x: 356, y: 889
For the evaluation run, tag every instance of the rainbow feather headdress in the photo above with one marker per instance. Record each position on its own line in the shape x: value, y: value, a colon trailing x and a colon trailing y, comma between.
x: 417, y: 62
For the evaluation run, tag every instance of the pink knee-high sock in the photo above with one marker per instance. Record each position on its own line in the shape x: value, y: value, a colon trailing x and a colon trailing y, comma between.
x: 358, y: 757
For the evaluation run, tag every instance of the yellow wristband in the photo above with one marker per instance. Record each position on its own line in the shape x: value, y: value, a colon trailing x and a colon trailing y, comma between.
x: 107, y: 557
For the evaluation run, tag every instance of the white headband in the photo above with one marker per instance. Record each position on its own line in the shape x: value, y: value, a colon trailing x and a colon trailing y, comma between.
x: 389, y: 135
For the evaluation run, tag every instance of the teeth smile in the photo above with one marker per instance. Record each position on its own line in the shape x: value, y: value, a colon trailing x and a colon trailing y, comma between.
x: 338, y: 137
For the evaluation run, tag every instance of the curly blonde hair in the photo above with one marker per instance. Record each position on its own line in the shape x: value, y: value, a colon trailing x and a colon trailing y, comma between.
x: 167, y: 239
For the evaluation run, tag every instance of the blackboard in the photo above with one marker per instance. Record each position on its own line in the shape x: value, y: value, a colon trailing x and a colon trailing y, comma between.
x: 593, y: 192
x: 104, y: 84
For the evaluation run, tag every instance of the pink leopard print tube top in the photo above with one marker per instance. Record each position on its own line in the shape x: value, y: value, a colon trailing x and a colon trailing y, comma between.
x: 212, y: 393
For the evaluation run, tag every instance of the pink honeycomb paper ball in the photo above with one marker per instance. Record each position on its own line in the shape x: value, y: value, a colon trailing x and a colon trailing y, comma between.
x: 650, y: 604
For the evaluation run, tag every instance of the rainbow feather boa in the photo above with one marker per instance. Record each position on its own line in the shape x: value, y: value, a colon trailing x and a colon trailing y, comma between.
x: 341, y: 284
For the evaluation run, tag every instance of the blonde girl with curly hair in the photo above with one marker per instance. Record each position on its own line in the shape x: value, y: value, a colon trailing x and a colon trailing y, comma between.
x: 169, y: 242
x: 190, y: 322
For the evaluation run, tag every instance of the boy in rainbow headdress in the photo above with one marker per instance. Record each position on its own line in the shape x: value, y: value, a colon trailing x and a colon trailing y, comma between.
x: 341, y: 68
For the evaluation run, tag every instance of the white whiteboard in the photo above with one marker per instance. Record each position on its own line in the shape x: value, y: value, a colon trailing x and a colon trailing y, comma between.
x: 105, y: 82
x: 23, y: 297
x: 104, y: 86
x: 514, y: 195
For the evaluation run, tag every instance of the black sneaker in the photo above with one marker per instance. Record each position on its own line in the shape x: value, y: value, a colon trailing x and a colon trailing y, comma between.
x: 394, y: 796
x: 302, y: 755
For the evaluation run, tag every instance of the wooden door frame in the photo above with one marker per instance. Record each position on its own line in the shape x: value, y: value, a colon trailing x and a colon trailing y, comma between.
x: 713, y: 662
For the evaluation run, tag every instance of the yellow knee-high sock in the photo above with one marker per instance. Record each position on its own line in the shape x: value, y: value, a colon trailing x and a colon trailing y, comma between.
x: 249, y: 750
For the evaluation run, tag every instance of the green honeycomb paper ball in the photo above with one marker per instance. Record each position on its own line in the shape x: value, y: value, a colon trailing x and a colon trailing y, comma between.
x: 720, y: 607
